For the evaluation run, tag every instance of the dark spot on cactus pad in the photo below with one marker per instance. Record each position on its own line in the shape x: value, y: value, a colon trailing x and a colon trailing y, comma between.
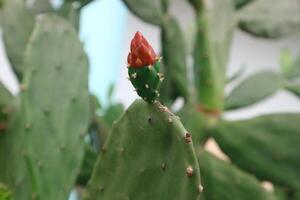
x: 163, y: 166
x: 188, y: 138
x: 28, y: 126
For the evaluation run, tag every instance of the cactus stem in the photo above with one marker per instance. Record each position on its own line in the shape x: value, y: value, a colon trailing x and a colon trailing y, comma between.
x: 189, y: 171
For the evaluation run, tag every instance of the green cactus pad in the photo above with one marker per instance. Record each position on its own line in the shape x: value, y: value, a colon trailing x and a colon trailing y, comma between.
x: 294, y: 88
x: 146, y: 81
x: 195, y: 122
x: 16, y: 32
x: 148, y: 155
x: 267, y: 146
x: 41, y: 153
x: 174, y: 60
x: 215, y: 25
x: 270, y: 18
x: 224, y: 181
x: 149, y: 11
x: 253, y: 89
x: 5, y: 101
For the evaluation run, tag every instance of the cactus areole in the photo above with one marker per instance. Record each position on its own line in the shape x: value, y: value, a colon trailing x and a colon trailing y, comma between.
x: 144, y: 68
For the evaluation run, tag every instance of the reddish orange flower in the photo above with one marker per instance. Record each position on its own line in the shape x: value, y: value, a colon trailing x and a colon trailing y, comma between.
x: 141, y: 52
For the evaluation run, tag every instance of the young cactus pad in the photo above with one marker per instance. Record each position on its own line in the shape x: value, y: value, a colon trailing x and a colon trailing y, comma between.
x: 144, y: 68
x: 148, y: 155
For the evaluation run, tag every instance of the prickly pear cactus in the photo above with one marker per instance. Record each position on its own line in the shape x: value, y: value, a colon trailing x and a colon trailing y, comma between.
x: 42, y: 150
x: 16, y: 32
x: 264, y: 146
x: 215, y: 23
x: 5, y: 100
x: 270, y: 18
x: 144, y: 68
x: 148, y: 155
x: 224, y: 181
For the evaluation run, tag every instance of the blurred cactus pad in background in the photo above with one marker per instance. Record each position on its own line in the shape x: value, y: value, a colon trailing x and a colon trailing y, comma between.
x: 55, y: 136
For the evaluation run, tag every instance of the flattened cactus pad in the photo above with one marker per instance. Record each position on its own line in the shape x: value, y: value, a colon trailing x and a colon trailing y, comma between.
x: 148, y: 155
x: 144, y: 68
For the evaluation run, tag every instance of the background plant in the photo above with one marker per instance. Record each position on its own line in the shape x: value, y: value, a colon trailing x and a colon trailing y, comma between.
x: 43, y: 128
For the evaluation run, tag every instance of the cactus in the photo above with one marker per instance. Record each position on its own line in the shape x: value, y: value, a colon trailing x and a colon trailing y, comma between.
x: 264, y: 146
x: 165, y: 167
x: 214, y: 32
x: 167, y: 155
x: 41, y: 6
x: 247, y: 92
x: 173, y: 47
x: 48, y: 117
x: 195, y: 122
x: 224, y: 181
x: 16, y: 32
x: 262, y: 20
x: 174, y: 55
x: 148, y: 153
x: 241, y: 3
x: 5, y: 99
x: 144, y: 68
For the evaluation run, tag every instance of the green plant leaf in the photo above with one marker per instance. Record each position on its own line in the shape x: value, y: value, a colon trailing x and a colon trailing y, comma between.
x: 146, y: 156
x: 112, y: 113
x: 149, y: 11
x: 215, y: 25
x: 195, y: 122
x: 241, y: 3
x: 89, y: 160
x: 270, y: 18
x: 5, y: 96
x: 267, y: 146
x: 17, y: 24
x: 41, y: 6
x: 253, y: 89
x: 174, y: 62
x: 70, y: 13
x: 237, y: 74
x: 42, y: 150
x: 225, y: 181
x: 293, y: 71
x: 294, y: 88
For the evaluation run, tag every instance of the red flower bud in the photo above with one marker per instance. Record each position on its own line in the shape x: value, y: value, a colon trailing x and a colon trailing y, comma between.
x: 141, y: 52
